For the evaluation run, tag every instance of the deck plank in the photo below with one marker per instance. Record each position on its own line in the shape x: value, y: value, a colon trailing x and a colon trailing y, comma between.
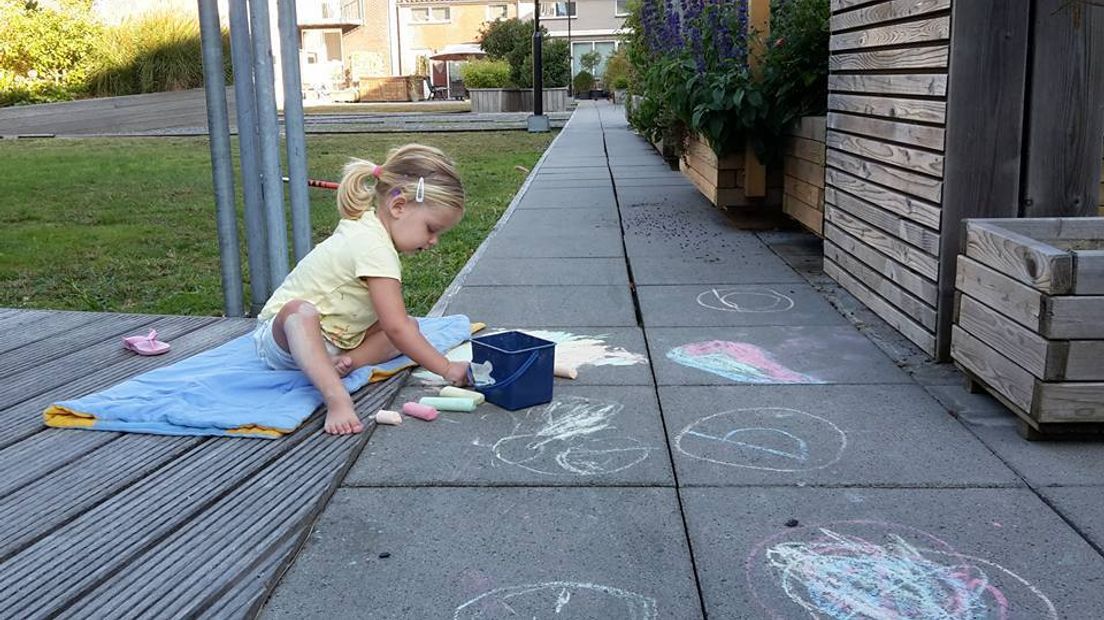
x: 39, y: 324
x: 68, y: 491
x: 23, y: 419
x: 74, y: 339
x: 70, y: 365
x: 213, y: 553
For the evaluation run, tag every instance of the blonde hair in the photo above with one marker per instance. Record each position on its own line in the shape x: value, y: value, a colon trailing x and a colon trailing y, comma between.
x: 364, y: 183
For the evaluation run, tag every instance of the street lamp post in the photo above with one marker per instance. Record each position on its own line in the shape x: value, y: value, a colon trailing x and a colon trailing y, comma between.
x: 570, y: 52
x: 538, y: 122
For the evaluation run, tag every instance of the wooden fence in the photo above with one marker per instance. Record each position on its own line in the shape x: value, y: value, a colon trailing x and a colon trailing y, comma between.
x: 923, y: 133
x: 885, y: 137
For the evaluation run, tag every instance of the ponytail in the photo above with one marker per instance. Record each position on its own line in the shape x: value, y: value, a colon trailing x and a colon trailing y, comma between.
x: 416, y: 172
x: 357, y: 189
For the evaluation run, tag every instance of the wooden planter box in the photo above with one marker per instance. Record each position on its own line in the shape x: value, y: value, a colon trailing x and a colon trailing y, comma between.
x: 721, y: 179
x: 803, y: 198
x: 516, y: 99
x: 1029, y: 319
x: 400, y: 88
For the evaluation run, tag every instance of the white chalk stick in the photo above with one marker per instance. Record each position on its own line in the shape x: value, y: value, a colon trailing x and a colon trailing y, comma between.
x: 566, y: 372
x: 454, y: 392
x: 384, y: 416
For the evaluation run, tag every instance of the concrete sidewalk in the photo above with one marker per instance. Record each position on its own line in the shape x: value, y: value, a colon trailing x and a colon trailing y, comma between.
x: 736, y: 447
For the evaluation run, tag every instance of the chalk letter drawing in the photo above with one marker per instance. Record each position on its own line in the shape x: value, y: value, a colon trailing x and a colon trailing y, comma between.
x: 570, y: 436
x: 832, y: 574
x: 765, y: 438
x: 563, y: 600
x: 742, y: 362
x: 745, y: 300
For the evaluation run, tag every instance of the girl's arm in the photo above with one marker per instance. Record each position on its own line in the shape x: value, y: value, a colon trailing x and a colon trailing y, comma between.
x: 404, y: 334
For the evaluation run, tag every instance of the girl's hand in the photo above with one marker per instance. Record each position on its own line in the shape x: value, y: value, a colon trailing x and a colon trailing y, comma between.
x: 457, y: 374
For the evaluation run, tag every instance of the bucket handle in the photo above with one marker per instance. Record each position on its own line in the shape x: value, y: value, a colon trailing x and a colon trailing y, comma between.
x: 514, y: 377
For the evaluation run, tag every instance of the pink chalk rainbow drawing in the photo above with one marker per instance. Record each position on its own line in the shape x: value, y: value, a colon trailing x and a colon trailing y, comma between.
x: 742, y: 362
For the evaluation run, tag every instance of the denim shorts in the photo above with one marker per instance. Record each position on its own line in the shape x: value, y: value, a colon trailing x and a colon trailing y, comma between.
x: 273, y: 355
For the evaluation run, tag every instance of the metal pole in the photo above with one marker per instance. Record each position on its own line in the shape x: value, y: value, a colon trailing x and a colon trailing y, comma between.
x: 245, y: 101
x: 222, y: 173
x: 538, y: 70
x: 570, y: 53
x: 293, y: 129
x: 269, y: 127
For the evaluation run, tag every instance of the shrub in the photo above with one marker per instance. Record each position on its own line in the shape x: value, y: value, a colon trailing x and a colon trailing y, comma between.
x: 691, y: 65
x: 555, y: 62
x: 618, y: 69
x: 154, y: 53
x: 44, y: 52
x: 583, y: 82
x: 511, y: 40
x: 485, y: 74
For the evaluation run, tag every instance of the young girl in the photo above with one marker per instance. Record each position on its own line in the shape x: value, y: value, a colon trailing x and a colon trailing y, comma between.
x: 341, y: 307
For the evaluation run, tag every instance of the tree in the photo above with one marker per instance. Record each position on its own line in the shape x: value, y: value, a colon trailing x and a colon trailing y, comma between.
x: 512, y: 40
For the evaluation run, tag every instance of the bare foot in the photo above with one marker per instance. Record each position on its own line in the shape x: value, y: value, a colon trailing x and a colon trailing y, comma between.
x: 343, y: 364
x: 342, y: 420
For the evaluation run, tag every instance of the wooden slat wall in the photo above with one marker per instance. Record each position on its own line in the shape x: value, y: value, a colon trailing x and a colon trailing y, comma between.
x: 887, y: 111
x: 1100, y: 199
x: 803, y: 198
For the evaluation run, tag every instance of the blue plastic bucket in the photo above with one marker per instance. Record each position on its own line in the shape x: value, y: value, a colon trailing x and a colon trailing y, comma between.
x: 522, y: 368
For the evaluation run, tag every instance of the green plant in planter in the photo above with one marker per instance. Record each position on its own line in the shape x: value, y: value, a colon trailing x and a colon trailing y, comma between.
x: 583, y: 81
x: 485, y: 74
x: 693, y: 59
x: 618, y: 69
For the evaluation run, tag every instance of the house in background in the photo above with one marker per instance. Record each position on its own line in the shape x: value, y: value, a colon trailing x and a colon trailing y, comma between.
x: 431, y: 27
x: 343, y: 41
x: 595, y: 25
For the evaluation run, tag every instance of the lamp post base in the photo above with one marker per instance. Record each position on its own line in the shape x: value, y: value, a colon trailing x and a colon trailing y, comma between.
x: 538, y: 123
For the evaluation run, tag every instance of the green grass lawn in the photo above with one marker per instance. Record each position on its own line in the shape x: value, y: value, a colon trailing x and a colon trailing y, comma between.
x: 128, y: 225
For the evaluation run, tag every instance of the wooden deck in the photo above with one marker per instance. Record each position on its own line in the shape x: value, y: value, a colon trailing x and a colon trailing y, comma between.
x: 99, y: 524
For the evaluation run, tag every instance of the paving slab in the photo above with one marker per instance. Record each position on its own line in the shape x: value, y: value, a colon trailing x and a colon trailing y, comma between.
x: 690, y: 230
x: 559, y: 182
x: 587, y: 436
x: 823, y: 435
x: 600, y: 198
x: 567, y: 242
x: 735, y: 305
x: 887, y: 553
x: 1081, y: 506
x: 560, y: 174
x: 752, y: 266
x: 630, y: 197
x: 515, y: 271
x: 1041, y: 463
x: 556, y: 219
x: 557, y: 160
x: 546, y: 306
x: 656, y: 183
x: 778, y: 355
x: 493, y: 553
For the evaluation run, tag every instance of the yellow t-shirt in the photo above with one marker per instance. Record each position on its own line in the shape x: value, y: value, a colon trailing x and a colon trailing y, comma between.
x: 329, y: 277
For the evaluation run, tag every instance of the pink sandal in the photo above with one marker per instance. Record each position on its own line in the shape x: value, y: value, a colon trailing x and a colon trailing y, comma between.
x: 146, y: 345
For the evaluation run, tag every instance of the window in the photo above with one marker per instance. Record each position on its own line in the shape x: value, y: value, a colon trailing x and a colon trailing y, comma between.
x: 621, y: 7
x: 605, y: 49
x: 431, y: 15
x: 557, y: 9
x: 497, y: 11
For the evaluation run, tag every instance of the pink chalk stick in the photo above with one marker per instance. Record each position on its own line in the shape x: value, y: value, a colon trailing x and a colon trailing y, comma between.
x: 420, y: 411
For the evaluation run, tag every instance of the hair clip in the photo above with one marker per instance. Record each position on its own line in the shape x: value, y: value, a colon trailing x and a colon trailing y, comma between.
x: 376, y: 170
x: 419, y: 194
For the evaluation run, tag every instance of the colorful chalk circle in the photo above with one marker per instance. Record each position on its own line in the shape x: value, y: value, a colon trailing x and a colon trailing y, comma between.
x: 868, y: 569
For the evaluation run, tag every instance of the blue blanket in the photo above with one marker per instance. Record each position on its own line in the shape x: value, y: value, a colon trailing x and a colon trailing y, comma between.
x: 227, y: 391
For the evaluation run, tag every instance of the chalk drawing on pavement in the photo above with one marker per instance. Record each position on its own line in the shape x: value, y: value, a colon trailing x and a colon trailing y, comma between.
x: 742, y: 362
x: 765, y: 438
x: 745, y: 299
x: 868, y: 569
x: 574, y: 435
x: 558, y: 599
